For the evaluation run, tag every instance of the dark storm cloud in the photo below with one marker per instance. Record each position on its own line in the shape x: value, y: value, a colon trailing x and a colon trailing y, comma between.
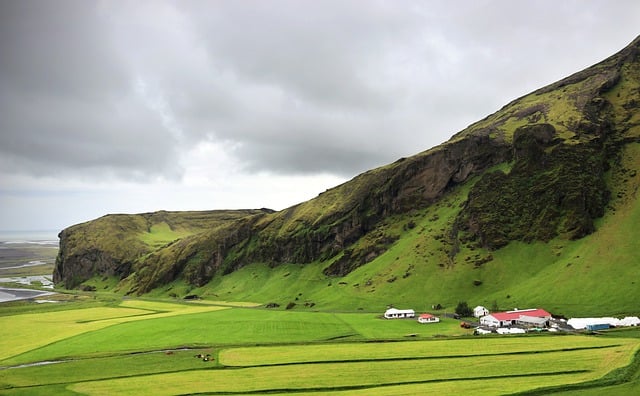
x: 67, y: 100
x: 296, y: 87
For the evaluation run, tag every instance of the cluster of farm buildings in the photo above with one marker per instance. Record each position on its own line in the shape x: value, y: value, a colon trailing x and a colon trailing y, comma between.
x: 521, y: 320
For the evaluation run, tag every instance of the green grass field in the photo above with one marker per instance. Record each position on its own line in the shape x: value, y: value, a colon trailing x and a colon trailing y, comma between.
x: 147, y: 347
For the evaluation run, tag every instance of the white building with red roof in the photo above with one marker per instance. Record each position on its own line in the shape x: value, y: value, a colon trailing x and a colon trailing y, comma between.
x: 428, y: 318
x: 524, y: 317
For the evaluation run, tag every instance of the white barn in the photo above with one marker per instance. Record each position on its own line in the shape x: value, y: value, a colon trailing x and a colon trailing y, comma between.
x: 393, y: 313
x: 480, y: 311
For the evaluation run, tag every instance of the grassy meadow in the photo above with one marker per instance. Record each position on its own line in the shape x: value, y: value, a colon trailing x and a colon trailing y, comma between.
x: 141, y: 347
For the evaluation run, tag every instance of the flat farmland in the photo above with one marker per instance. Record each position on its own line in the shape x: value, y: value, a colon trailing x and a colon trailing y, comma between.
x: 145, y: 347
x: 31, y: 334
x: 548, y: 368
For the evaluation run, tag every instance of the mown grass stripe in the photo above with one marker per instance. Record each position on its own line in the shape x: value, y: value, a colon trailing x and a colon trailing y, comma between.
x: 618, y: 376
x: 423, y: 357
x: 388, y: 384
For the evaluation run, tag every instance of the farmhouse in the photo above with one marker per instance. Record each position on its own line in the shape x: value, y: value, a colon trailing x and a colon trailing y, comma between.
x: 480, y: 311
x: 523, y: 317
x: 428, y: 318
x: 393, y: 313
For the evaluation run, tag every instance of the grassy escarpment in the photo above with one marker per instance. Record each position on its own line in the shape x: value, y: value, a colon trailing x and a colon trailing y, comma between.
x: 539, y: 191
x: 110, y: 245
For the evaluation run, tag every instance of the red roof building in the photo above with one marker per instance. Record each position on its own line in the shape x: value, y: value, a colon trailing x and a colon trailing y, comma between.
x: 428, y: 318
x: 526, y: 317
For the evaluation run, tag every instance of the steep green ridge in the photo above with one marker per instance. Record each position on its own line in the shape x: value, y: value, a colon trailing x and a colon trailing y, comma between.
x: 534, y: 205
x: 111, y: 244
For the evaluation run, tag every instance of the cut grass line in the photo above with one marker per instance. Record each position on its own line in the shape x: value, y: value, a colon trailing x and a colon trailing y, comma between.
x: 119, y: 317
x: 391, y: 359
x: 262, y: 355
x: 620, y: 376
x: 389, y: 384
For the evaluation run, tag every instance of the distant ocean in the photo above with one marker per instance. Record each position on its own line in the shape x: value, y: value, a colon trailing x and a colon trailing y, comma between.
x: 40, y: 237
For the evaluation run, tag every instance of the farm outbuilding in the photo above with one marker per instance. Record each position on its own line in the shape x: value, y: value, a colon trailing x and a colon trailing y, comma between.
x: 526, y: 317
x: 597, y: 326
x: 480, y: 311
x: 428, y: 318
x: 393, y: 313
x: 582, y: 323
x: 532, y: 321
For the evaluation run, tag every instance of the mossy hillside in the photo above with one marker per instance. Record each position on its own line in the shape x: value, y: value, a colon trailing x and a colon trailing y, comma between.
x: 565, y: 103
x: 583, y: 121
x: 327, y: 226
x: 567, y: 277
x: 417, y: 268
x: 439, y: 225
x: 110, y: 245
x: 197, y: 257
x: 419, y: 271
x: 546, y: 194
x: 593, y: 275
x: 424, y: 266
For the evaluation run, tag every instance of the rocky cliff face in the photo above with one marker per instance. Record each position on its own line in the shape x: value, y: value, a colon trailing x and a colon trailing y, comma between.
x: 370, y: 198
x: 115, y: 245
x: 106, y: 246
x: 553, y: 149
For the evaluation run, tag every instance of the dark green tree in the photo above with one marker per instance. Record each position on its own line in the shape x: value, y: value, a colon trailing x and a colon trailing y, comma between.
x: 463, y: 309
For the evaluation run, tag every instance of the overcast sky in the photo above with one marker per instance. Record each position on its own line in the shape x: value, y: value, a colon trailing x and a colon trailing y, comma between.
x: 137, y: 106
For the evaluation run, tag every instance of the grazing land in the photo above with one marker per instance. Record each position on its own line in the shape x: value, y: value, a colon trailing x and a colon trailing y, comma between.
x: 135, y: 346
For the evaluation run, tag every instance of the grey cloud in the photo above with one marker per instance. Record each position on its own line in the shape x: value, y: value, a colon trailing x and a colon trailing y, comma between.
x: 67, y: 99
x: 57, y: 48
x: 319, y: 52
x: 299, y: 87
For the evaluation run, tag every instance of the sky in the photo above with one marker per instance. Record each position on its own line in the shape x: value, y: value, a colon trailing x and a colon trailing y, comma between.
x: 137, y: 106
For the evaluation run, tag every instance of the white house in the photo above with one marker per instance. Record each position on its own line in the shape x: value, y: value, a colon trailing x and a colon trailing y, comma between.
x: 393, y: 313
x: 428, y: 318
x: 480, y: 311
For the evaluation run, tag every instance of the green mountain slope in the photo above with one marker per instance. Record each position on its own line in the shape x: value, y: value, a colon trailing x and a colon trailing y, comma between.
x: 534, y: 205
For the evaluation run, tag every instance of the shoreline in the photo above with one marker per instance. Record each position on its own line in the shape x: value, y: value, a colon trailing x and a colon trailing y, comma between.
x: 8, y: 294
